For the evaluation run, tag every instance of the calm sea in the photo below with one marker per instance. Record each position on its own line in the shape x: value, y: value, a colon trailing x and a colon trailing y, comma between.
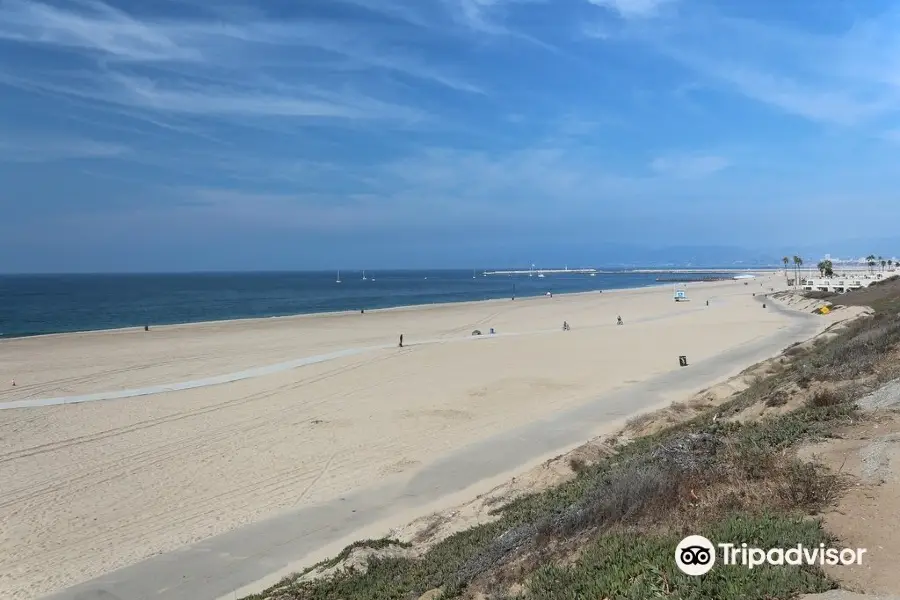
x: 39, y: 304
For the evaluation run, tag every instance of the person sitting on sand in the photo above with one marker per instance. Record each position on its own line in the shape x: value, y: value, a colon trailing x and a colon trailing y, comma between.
x: 619, y: 321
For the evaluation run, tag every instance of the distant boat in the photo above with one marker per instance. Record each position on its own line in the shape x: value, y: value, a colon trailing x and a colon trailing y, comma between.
x: 364, y: 276
x: 540, y: 274
x: 473, y: 273
x: 338, y: 277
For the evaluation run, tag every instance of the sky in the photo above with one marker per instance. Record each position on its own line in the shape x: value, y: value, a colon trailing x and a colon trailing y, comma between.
x: 194, y: 135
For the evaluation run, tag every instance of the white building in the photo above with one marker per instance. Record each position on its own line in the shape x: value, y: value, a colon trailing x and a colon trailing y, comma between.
x: 843, y: 282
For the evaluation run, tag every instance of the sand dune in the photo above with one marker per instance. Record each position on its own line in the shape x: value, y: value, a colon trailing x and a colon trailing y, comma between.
x: 91, y: 487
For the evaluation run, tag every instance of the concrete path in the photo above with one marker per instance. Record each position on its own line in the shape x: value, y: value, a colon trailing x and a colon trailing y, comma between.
x: 215, y: 567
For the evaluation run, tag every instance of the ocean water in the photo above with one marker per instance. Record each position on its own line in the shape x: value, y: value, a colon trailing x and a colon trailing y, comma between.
x: 41, y: 304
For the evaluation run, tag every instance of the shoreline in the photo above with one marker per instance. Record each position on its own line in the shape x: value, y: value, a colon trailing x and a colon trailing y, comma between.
x: 331, y: 313
x: 263, y: 370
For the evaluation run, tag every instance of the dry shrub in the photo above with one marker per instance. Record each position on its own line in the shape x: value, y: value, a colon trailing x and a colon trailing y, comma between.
x: 577, y: 465
x: 679, y: 407
x: 626, y: 496
x: 637, y: 422
x: 858, y: 351
x: 809, y: 485
x: 826, y: 397
x: 777, y: 398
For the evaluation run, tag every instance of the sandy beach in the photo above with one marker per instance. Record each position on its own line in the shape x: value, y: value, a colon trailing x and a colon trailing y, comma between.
x: 95, y: 486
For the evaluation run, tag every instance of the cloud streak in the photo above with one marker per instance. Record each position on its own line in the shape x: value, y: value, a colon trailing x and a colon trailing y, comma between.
x: 847, y: 78
x: 214, y: 67
x: 40, y: 149
x: 633, y: 9
x: 101, y: 29
x: 690, y: 166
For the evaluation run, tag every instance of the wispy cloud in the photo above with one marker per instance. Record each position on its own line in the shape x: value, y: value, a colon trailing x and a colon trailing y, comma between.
x: 543, y: 181
x: 489, y: 17
x: 217, y: 67
x: 477, y: 14
x: 99, y: 28
x: 633, y: 9
x: 846, y: 78
x: 689, y: 166
x: 218, y: 100
x: 44, y: 148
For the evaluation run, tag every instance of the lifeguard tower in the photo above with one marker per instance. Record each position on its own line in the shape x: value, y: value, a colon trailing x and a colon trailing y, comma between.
x: 681, y: 293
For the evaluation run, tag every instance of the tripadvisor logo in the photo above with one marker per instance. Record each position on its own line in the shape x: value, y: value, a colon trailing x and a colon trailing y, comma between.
x: 696, y: 555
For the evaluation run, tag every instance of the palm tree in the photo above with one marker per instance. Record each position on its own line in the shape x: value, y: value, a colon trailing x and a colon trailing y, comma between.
x: 821, y: 267
x: 870, y: 260
x: 785, y: 260
x: 828, y: 268
x: 883, y: 264
x: 797, y: 262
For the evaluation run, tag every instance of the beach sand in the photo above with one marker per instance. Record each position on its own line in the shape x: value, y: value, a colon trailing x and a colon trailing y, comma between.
x: 91, y: 487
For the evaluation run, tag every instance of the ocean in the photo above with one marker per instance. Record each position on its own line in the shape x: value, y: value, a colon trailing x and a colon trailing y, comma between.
x: 42, y: 304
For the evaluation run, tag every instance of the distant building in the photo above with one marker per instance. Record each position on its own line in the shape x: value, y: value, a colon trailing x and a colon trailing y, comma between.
x: 844, y: 282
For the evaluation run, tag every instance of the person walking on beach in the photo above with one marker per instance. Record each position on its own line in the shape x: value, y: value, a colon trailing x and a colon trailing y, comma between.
x: 401, y: 340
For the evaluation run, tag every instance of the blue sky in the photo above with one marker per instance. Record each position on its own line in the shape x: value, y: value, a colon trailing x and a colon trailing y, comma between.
x: 371, y: 133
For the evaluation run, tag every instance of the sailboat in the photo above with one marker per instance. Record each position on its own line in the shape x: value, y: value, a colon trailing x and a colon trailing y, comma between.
x: 339, y: 277
x: 364, y: 276
x: 473, y: 273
